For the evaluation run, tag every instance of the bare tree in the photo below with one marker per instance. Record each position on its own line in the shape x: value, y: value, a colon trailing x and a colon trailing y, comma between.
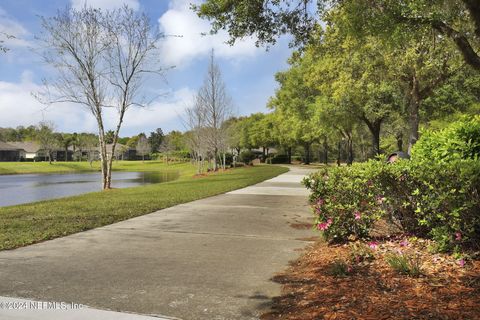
x: 46, y: 138
x: 165, y: 147
x: 88, y: 143
x: 101, y: 58
x: 131, y: 56
x: 143, y: 146
x: 195, y: 137
x: 216, y: 106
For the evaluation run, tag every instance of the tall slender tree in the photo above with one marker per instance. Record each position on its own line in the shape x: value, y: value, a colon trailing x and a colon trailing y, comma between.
x: 216, y: 105
x: 101, y: 58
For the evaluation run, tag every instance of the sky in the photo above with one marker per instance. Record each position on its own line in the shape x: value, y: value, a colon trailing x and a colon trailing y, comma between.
x: 248, y: 71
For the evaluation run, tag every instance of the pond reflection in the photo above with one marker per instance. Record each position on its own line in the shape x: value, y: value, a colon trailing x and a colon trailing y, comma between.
x: 25, y: 188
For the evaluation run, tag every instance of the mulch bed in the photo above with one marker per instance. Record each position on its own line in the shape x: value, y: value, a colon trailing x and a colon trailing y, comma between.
x: 373, y: 290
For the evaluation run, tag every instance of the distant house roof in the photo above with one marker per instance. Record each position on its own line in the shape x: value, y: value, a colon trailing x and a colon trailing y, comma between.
x: 28, y: 146
x: 260, y: 150
x: 6, y: 146
x: 118, y: 148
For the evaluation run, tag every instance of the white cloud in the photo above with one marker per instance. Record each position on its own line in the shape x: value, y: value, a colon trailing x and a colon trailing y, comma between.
x: 19, y: 107
x: 10, y: 27
x: 106, y: 4
x: 163, y: 113
x: 179, y: 20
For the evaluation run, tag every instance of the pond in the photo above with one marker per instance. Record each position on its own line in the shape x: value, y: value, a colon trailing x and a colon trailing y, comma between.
x: 25, y: 188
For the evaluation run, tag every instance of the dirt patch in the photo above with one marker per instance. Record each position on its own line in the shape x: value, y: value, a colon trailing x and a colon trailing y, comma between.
x: 301, y: 225
x: 373, y: 290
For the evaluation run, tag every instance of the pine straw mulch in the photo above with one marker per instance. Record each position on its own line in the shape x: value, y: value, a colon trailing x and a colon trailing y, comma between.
x: 373, y: 290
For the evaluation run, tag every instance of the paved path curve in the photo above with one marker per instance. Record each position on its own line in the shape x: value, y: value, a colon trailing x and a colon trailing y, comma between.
x: 207, y: 259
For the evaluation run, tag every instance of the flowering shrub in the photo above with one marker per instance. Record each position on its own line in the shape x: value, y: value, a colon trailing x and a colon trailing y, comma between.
x: 438, y: 200
x: 345, y: 200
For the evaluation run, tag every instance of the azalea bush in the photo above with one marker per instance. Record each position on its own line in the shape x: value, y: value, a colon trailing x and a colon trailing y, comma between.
x: 436, y: 194
x: 424, y: 198
x: 346, y: 200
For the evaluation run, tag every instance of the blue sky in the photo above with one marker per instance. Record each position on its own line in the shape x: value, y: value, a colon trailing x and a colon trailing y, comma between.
x: 248, y: 71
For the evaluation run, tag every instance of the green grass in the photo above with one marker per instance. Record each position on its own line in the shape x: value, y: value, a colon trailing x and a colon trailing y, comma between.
x: 30, y: 223
x: 408, y: 265
x: 66, y: 167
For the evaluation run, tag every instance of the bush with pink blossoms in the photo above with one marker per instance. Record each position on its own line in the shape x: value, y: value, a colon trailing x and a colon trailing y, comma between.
x: 345, y: 200
x: 423, y: 198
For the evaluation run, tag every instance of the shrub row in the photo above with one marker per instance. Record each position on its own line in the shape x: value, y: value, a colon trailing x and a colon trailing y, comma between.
x: 436, y: 196
x: 423, y: 198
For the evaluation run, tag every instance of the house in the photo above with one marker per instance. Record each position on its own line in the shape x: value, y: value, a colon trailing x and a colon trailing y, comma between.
x: 122, y: 152
x: 31, y: 149
x: 9, y: 152
x: 33, y: 152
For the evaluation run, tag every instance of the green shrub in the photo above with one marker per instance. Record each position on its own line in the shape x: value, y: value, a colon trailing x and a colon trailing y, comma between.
x: 345, y: 200
x: 247, y: 156
x: 425, y: 197
x: 360, y: 252
x: 339, y: 268
x: 439, y: 200
x: 279, y: 158
x: 460, y: 140
x: 228, y: 159
x: 403, y: 264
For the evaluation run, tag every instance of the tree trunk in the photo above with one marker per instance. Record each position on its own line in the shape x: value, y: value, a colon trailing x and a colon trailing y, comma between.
x: 414, y: 114
x: 66, y: 154
x: 374, y: 128
x: 339, y: 156
x: 103, y: 152
x: 400, y: 141
x: 289, y: 155
x: 349, y: 150
x: 325, y: 151
x: 215, y: 155
x: 307, y: 153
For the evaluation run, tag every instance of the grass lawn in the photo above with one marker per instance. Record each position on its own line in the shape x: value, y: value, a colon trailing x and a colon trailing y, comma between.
x: 66, y: 167
x: 30, y: 223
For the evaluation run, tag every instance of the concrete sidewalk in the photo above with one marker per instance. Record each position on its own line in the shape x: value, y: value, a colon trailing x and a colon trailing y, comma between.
x: 207, y: 259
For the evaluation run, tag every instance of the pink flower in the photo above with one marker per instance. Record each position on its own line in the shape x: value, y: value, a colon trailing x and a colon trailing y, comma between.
x: 357, y: 215
x: 373, y: 245
x: 404, y: 243
x: 349, y: 269
x: 320, y: 202
x: 325, y: 225
x: 461, y: 262
x: 458, y: 236
x: 322, y: 226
